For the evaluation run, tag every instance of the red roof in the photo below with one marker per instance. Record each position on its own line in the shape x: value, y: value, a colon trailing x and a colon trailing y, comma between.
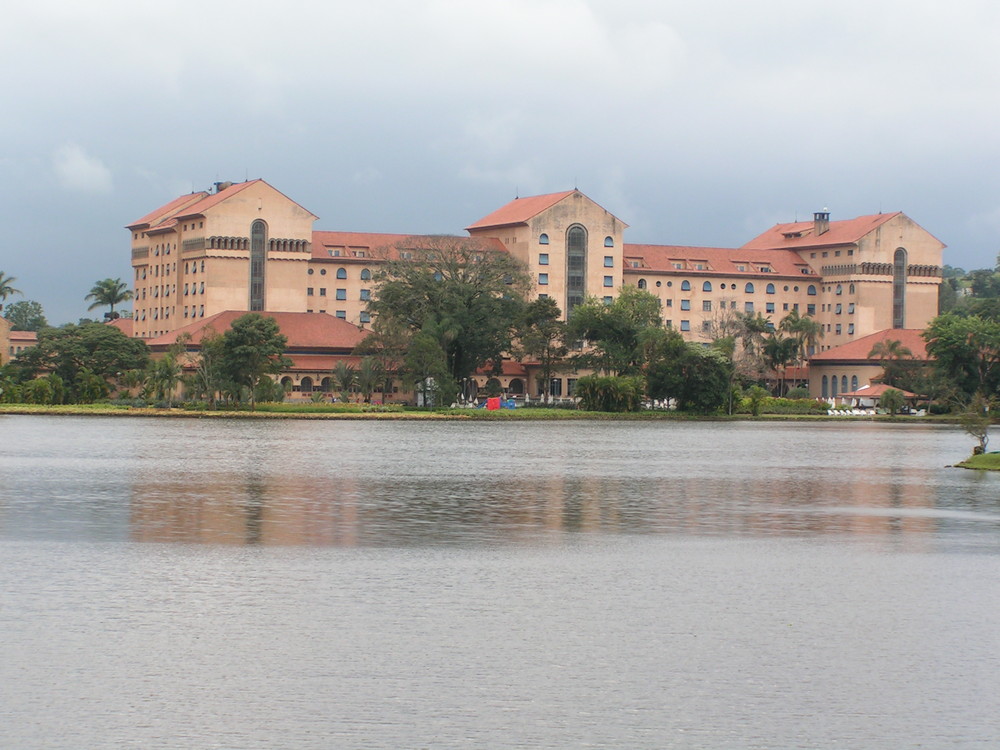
x: 304, y: 330
x: 125, y: 325
x: 520, y: 210
x: 875, y: 390
x: 800, y: 234
x: 168, y: 210
x: 857, y: 351
x: 23, y: 337
x: 716, y: 260
x: 508, y: 367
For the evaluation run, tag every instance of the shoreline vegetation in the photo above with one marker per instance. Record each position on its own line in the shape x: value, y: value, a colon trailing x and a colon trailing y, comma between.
x: 393, y: 412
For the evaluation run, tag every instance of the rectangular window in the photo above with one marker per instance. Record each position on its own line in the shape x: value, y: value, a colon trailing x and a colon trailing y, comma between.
x: 366, y: 294
x: 670, y: 303
x: 608, y: 300
x: 748, y: 307
x: 669, y: 323
x: 685, y: 304
x: 609, y: 281
x: 706, y: 326
x: 342, y: 314
x: 838, y: 329
x: 609, y: 262
x: 543, y: 259
x: 543, y: 296
x: 784, y: 306
x: 706, y: 305
x: 769, y: 307
x: 366, y: 317
x: 543, y: 279
x: 850, y: 308
x: 732, y: 305
x: 685, y: 325
x: 840, y: 308
x: 810, y: 309
x: 322, y: 291
x: 309, y: 291
x: 341, y: 294
x: 850, y: 328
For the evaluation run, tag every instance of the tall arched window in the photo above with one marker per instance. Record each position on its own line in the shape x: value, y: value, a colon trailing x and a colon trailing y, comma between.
x: 843, y: 384
x: 609, y: 241
x: 826, y: 387
x: 341, y: 273
x: 576, y: 266
x: 899, y: 288
x: 811, y: 291
x: 543, y: 239
x: 642, y: 283
x: 749, y: 288
x: 854, y: 382
x: 833, y: 383
x: 770, y: 289
x: 685, y: 286
x: 366, y: 274
x: 707, y: 286
x: 258, y: 243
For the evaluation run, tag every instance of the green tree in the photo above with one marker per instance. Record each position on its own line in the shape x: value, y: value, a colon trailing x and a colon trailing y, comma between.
x: 976, y: 420
x: 613, y: 393
x: 805, y: 330
x: 542, y: 337
x: 252, y: 349
x: 463, y: 292
x: 895, y: 358
x: 26, y: 315
x: 208, y: 379
x: 695, y: 377
x: 779, y: 352
x: 109, y: 292
x: 345, y: 378
x: 370, y: 376
x: 966, y: 351
x: 426, y: 368
x: 984, y: 282
x: 7, y: 288
x: 615, y: 331
x: 100, y: 349
x: 892, y: 400
x: 756, y: 396
x: 164, y: 375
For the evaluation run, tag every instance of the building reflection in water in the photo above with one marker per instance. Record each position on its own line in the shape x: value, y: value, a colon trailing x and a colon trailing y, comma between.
x: 269, y: 509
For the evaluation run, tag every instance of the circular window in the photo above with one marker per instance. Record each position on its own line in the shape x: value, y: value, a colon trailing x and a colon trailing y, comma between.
x: 659, y: 283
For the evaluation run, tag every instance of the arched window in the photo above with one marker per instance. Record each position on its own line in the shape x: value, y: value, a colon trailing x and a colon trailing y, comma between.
x: 324, y: 384
x: 286, y: 383
x: 609, y: 242
x: 642, y: 283
x: 749, y: 288
x: 306, y: 385
x: 707, y: 286
x: 543, y: 239
x: 516, y: 387
x: 833, y: 384
x: 854, y: 382
x: 258, y: 243
x: 366, y: 274
x: 826, y: 387
x: 850, y: 289
x: 899, y: 288
x: 576, y: 266
x: 341, y: 273
x: 770, y: 289
x: 843, y: 384
x: 685, y: 286
x: 811, y: 290
x: 840, y: 289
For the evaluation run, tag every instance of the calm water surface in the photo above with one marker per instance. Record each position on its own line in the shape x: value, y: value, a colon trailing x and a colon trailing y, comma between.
x: 232, y: 584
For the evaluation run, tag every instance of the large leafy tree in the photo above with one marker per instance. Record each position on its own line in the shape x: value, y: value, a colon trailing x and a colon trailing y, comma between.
x: 252, y: 349
x: 465, y: 294
x: 697, y: 378
x: 615, y: 331
x: 966, y: 350
x: 76, y: 352
x: 109, y: 292
x: 542, y: 337
x: 7, y: 287
x: 896, y: 360
x: 26, y: 315
x: 804, y: 329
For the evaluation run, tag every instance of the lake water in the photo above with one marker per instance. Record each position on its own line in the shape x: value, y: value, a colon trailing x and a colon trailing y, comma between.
x: 317, y: 584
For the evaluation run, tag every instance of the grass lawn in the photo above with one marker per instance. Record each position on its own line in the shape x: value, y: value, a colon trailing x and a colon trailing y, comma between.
x: 986, y: 462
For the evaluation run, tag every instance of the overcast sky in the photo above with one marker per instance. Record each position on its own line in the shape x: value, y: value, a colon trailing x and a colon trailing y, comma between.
x: 695, y: 123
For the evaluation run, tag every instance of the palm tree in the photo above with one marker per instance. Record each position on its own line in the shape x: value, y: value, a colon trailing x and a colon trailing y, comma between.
x: 6, y: 290
x: 778, y: 353
x: 345, y: 377
x: 109, y: 292
x: 368, y: 378
x: 890, y: 353
x: 805, y: 330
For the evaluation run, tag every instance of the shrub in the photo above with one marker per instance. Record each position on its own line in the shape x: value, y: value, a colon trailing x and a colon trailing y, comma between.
x: 610, y: 393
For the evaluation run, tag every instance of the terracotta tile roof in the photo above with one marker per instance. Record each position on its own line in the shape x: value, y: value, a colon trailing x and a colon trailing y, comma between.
x: 801, y: 234
x: 520, y: 210
x: 23, y: 337
x: 857, y: 351
x: 507, y: 368
x: 382, y: 246
x: 125, y: 325
x: 720, y: 261
x: 213, y: 199
x: 304, y: 330
x: 168, y: 210
x: 875, y: 390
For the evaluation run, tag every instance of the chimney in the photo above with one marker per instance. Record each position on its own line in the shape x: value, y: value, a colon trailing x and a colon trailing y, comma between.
x: 821, y: 222
x: 220, y: 186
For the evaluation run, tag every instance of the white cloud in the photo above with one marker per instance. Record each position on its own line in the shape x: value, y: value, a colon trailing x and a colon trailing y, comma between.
x: 77, y: 170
